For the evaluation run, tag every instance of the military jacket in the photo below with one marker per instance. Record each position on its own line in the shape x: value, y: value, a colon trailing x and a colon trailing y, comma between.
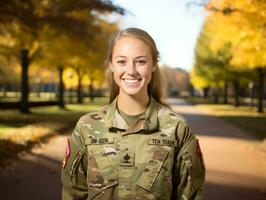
x: 156, y: 157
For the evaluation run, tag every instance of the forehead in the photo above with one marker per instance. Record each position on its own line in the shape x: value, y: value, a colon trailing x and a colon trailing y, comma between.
x: 130, y: 45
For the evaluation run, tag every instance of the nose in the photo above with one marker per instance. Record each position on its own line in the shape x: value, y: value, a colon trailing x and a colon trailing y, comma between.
x: 131, y: 69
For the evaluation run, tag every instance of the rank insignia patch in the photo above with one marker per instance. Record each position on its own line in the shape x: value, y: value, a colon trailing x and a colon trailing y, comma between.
x: 67, y: 154
x: 127, y: 159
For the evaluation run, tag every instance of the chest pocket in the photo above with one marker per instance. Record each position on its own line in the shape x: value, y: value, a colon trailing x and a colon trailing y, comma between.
x: 157, y: 175
x: 101, y: 177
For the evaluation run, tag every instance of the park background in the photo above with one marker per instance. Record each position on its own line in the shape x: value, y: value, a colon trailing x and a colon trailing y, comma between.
x: 52, y: 71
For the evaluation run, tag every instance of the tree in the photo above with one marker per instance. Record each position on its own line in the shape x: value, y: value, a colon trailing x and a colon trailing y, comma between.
x: 245, y: 30
x: 210, y: 68
x: 56, y: 53
x: 8, y: 74
x: 86, y: 59
x: 25, y: 19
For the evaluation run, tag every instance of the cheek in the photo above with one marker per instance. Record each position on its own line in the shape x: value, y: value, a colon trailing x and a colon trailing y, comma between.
x: 117, y: 75
x: 146, y: 73
x: 118, y: 72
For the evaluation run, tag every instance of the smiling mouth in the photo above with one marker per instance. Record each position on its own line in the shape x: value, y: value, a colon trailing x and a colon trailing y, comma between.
x: 131, y: 81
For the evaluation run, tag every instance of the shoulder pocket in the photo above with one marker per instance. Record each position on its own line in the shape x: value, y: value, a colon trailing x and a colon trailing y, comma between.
x: 195, y: 170
x: 68, y: 174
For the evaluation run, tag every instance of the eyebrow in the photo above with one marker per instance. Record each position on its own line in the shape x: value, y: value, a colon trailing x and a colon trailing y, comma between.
x: 136, y: 57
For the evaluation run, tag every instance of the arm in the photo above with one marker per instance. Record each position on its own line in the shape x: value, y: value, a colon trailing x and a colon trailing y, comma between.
x: 189, y: 166
x: 74, y: 168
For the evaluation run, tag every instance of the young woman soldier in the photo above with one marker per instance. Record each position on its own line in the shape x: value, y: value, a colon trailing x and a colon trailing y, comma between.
x: 135, y: 147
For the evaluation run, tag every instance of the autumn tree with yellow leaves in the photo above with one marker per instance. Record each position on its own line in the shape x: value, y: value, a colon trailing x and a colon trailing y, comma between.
x: 241, y: 24
x: 24, y: 21
x: 77, y: 62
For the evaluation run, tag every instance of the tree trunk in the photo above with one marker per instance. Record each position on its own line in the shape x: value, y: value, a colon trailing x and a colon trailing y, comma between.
x: 225, y: 100
x: 236, y: 89
x: 252, y: 93
x: 206, y: 92
x: 61, y: 102
x: 216, y: 96
x: 24, y: 102
x: 80, y: 96
x: 260, y: 89
x: 191, y: 90
x: 91, y: 90
x: 4, y: 90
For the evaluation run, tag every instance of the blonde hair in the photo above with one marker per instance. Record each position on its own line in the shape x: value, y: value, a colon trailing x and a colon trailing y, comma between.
x: 155, y: 87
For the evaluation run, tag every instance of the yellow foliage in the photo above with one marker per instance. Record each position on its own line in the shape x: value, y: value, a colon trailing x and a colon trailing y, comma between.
x: 7, y: 40
x: 86, y: 80
x: 243, y: 27
x: 39, y: 74
x: 198, y: 82
x: 70, y: 78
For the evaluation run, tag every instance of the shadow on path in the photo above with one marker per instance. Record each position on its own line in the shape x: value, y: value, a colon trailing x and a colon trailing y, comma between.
x: 36, y: 174
x: 210, y: 126
x: 201, y: 123
x: 32, y: 180
x: 215, y: 191
x: 235, y: 167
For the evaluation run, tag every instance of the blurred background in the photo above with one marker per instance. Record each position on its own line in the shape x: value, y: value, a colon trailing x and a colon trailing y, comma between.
x: 52, y: 71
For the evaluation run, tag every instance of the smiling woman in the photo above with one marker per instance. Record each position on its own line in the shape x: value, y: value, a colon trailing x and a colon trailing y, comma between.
x: 132, y: 68
x: 135, y: 47
x: 136, y: 147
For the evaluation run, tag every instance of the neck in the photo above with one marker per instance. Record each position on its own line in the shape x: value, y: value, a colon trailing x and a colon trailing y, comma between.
x: 132, y: 105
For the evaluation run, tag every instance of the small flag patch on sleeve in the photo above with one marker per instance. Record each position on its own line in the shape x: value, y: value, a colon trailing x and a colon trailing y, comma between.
x: 67, y: 154
x: 68, y: 151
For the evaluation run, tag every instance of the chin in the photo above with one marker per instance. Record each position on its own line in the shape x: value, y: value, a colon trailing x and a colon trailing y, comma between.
x: 134, y: 91
x: 130, y: 92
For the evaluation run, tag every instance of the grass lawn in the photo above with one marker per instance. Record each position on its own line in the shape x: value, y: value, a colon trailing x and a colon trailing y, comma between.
x: 45, y: 116
x: 19, y: 131
x: 6, y: 127
x: 244, y: 117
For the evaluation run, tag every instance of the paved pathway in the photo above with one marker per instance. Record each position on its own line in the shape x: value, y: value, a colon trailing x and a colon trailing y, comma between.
x: 236, y: 168
x: 36, y: 175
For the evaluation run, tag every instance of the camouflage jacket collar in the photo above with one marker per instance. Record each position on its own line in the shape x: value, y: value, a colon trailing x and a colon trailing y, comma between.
x: 148, y: 123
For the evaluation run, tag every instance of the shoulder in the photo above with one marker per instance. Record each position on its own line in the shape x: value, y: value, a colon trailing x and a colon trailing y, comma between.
x: 94, y: 116
x: 172, y: 121
x: 167, y: 115
x: 92, y: 123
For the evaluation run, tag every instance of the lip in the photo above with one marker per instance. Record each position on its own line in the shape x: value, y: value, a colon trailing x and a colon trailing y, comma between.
x: 131, y: 82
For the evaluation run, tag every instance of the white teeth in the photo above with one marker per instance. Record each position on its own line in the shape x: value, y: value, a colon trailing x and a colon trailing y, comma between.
x: 131, y: 81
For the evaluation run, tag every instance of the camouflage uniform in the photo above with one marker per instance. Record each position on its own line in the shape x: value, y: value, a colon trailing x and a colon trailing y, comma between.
x: 156, y: 157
